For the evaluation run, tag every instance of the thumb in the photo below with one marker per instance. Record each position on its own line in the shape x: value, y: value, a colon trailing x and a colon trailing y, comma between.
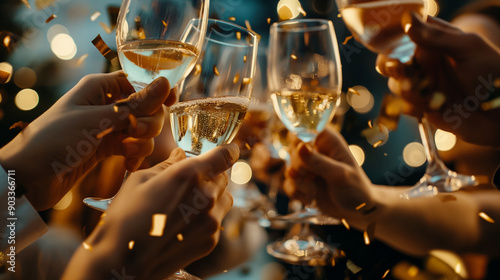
x: 438, y: 35
x: 322, y: 165
x: 139, y: 104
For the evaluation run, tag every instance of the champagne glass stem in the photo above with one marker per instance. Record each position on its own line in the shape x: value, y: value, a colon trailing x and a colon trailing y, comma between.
x: 435, y: 165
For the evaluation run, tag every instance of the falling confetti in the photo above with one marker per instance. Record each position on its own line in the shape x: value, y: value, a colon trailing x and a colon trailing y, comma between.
x: 490, y: 105
x: 339, y: 15
x: 370, y: 124
x: 232, y: 18
x: 19, y: 124
x: 244, y: 58
x: 104, y: 133
x: 346, y: 40
x: 197, y: 69
x: 87, y: 246
x: 26, y: 3
x: 246, y: 81
x: 6, y: 41
x: 344, y: 222
x: 115, y: 109
x: 236, y: 78
x: 248, y: 146
x: 94, y: 16
x: 378, y: 143
x: 293, y: 56
x: 103, y: 48
x: 385, y: 273
x: 158, y: 224
x: 485, y: 217
x: 180, y: 237
x: 49, y: 19
x: 360, y: 206
x: 353, y: 91
x: 131, y: 244
x: 369, y: 233
x: 80, y: 60
x: 4, y: 77
x: 366, y: 238
x: 216, y: 72
x: 268, y: 20
x: 238, y: 35
x: 164, y: 23
x: 109, y: 95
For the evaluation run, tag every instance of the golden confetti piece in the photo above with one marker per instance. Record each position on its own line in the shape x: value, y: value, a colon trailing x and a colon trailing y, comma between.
x: 216, y: 72
x: 346, y: 40
x: 361, y: 206
x: 180, y: 237
x: 490, y: 105
x: 407, y: 27
x: 344, y: 222
x: 247, y: 146
x: 353, y: 91
x: 385, y: 273
x: 302, y: 11
x: 197, y: 69
x: 103, y: 48
x: 244, y: 58
x: 26, y: 3
x: 366, y: 237
x: 115, y: 109
x: 486, y: 217
x: 339, y: 15
x: 6, y: 41
x: 49, y: 19
x: 378, y: 143
x: 236, y: 78
x: 437, y: 100
x: 158, y: 224
x: 246, y: 81
x: 105, y: 27
x: 19, y: 124
x: 131, y: 244
x: 164, y: 23
x: 94, y: 16
x: 370, y: 124
x: 225, y: 271
x: 268, y: 20
x: 87, y: 246
x: 238, y: 35
x: 293, y: 56
x: 80, y: 60
x: 232, y: 18
x: 104, y: 133
x: 109, y: 95
x: 133, y: 121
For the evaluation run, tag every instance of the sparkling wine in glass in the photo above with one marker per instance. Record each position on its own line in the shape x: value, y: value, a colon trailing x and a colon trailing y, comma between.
x: 215, y: 96
x: 380, y: 26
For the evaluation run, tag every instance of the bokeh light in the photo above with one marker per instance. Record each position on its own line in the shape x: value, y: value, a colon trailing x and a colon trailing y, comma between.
x: 377, y: 135
x: 25, y: 77
x: 289, y: 9
x: 414, y: 154
x: 241, y: 172
x: 63, y: 46
x: 358, y: 154
x: 65, y: 202
x: 445, y: 141
x: 55, y: 30
x: 6, y: 72
x: 360, y: 99
x: 432, y: 7
x: 26, y: 99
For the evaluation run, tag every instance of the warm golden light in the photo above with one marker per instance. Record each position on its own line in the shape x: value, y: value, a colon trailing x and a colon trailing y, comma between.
x: 358, y: 154
x: 55, y: 30
x: 360, y: 99
x: 289, y: 9
x: 131, y: 244
x: 65, y: 202
x: 432, y: 7
x: 445, y: 141
x: 26, y: 99
x: 376, y: 135
x: 487, y: 218
x: 241, y: 172
x: 414, y: 154
x: 6, y: 70
x: 25, y: 77
x: 63, y: 46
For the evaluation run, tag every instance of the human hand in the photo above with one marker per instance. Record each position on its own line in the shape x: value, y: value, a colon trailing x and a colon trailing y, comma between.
x: 189, y: 193
x: 328, y: 173
x: 452, y: 78
x: 83, y: 127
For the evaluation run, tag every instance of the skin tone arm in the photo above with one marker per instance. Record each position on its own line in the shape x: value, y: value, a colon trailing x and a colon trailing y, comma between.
x: 415, y: 226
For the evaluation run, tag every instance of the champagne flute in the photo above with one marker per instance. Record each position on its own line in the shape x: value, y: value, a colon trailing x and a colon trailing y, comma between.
x: 378, y: 25
x: 215, y: 96
x: 305, y: 80
x: 157, y: 38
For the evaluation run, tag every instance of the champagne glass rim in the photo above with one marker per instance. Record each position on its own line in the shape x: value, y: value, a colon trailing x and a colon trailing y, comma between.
x: 238, y: 28
x: 315, y: 24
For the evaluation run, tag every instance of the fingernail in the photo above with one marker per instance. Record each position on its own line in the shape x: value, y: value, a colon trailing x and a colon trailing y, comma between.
x: 158, y: 86
x: 305, y: 150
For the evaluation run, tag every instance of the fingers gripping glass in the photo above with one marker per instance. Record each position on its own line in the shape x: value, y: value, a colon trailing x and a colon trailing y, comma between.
x: 380, y: 26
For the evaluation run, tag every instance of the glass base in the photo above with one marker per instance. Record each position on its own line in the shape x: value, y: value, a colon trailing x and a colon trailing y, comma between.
x: 182, y: 275
x: 100, y: 204
x: 431, y: 185
x: 308, y: 215
x: 302, y: 249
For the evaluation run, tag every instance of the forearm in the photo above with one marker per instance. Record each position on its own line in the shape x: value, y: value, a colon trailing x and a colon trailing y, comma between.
x: 447, y: 221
